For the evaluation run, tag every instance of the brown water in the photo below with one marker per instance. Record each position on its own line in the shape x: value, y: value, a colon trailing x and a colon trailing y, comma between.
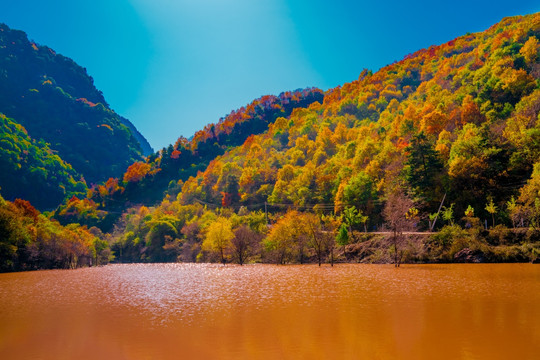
x: 181, y: 311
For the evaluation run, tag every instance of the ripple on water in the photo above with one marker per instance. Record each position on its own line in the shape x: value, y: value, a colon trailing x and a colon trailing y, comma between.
x: 141, y: 311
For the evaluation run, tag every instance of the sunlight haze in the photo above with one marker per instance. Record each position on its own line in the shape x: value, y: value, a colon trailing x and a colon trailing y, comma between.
x: 172, y: 67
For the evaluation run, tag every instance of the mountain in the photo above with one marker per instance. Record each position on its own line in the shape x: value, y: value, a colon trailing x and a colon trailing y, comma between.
x: 460, y: 118
x: 56, y: 101
x: 164, y: 172
x: 455, y: 125
x: 30, y: 169
x: 145, y: 145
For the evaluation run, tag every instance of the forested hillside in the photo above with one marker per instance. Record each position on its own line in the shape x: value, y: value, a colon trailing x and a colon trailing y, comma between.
x: 145, y: 183
x: 29, y: 241
x: 55, y: 100
x: 31, y: 171
x: 460, y: 119
x: 457, y: 122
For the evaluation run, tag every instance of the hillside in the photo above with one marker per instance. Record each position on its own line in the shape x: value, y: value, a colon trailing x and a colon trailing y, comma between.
x: 165, y: 171
x: 460, y: 118
x: 29, y: 241
x: 30, y: 170
x: 457, y: 122
x: 56, y: 101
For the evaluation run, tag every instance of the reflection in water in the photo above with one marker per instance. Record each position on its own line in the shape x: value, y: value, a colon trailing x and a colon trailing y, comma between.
x: 202, y: 311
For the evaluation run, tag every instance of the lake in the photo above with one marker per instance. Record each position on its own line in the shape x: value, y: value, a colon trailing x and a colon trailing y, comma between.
x: 208, y: 311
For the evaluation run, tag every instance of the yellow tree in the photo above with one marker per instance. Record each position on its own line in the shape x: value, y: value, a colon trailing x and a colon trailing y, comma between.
x: 283, y: 238
x: 492, y: 209
x: 218, y: 237
x: 530, y: 49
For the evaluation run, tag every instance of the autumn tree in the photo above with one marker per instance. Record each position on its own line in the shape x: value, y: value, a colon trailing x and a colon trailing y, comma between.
x: 136, y: 172
x: 492, y: 209
x: 244, y: 244
x: 398, y: 215
x: 530, y: 50
x: 230, y: 195
x: 311, y: 224
x: 471, y: 222
x: 191, y: 245
x: 218, y: 238
x: 529, y: 197
x: 281, y: 241
x: 10, y: 235
x: 330, y: 225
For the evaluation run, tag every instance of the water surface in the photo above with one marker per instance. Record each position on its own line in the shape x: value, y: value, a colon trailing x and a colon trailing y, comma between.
x: 203, y: 311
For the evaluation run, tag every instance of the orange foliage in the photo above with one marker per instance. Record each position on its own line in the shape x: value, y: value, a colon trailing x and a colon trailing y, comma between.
x: 175, y: 154
x: 106, y: 126
x: 136, y: 172
x: 434, y: 122
x: 470, y: 113
x: 89, y: 103
x: 226, y: 199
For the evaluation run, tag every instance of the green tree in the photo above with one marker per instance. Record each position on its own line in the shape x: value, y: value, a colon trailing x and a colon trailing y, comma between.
x: 360, y: 192
x: 511, y: 206
x: 448, y: 214
x: 353, y: 218
x: 492, y: 209
x: 529, y: 197
x: 342, y: 237
x: 161, y: 229
x: 422, y: 166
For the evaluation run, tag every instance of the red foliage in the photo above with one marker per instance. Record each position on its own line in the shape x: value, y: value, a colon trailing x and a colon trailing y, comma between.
x: 73, y: 199
x: 226, y: 199
x: 175, y: 154
x: 26, y: 209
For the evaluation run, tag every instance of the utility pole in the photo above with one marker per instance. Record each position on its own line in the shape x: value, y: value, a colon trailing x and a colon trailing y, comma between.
x: 438, y: 211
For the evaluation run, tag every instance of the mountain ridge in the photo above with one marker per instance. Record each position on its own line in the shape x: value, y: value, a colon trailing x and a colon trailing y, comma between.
x: 56, y: 103
x: 34, y: 77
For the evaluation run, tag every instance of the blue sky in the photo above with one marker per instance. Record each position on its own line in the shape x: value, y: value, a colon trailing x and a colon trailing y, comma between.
x: 173, y: 66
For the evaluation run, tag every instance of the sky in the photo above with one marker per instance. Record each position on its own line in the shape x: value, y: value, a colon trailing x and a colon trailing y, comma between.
x: 173, y: 66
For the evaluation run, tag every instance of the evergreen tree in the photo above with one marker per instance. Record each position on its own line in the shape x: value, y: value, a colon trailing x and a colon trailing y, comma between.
x: 422, y: 166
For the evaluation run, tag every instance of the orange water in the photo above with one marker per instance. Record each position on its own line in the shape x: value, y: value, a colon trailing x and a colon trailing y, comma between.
x: 182, y: 311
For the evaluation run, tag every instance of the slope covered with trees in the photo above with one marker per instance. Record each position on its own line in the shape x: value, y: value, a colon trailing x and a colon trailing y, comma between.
x: 165, y: 171
x: 457, y: 122
x: 30, y: 170
x: 55, y: 100
x: 460, y: 118
x: 29, y: 240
